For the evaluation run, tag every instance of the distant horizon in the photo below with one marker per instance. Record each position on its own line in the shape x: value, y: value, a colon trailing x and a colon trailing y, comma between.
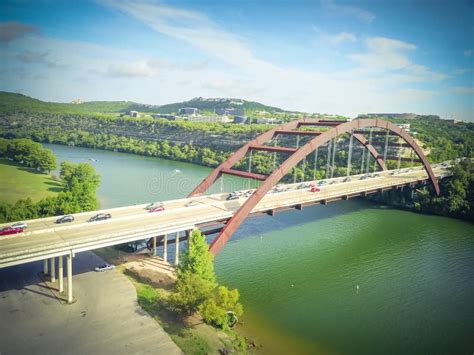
x: 228, y: 98
x: 341, y: 56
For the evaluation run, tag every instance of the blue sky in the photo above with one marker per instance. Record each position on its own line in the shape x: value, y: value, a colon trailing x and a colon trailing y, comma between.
x: 329, y: 56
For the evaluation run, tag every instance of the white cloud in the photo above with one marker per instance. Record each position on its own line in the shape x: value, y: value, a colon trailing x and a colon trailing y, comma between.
x: 341, y: 37
x: 105, y: 73
x: 348, y: 10
x: 463, y: 89
x: 386, y: 55
x: 141, y: 68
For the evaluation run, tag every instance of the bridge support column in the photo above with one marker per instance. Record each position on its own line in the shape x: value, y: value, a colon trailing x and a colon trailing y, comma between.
x: 176, y: 255
x: 53, y: 269
x: 165, y: 248
x: 45, y: 266
x: 60, y: 274
x: 69, y: 278
x: 154, y: 246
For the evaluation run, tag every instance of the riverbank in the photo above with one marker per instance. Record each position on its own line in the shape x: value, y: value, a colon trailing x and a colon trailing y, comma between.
x: 17, y: 182
x: 154, y: 279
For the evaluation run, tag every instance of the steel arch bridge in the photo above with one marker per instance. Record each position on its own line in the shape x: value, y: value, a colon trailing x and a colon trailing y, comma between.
x: 356, y: 129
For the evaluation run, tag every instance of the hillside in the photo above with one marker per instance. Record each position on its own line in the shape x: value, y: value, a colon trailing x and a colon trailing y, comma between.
x: 217, y: 103
x: 12, y: 102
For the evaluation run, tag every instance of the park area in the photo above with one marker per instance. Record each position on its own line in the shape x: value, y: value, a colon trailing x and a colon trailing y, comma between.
x: 18, y: 182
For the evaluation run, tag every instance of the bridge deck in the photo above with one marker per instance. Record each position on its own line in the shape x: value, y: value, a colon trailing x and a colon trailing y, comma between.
x: 45, y: 239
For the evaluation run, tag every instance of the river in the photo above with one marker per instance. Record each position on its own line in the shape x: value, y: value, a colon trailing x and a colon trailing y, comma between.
x: 348, y: 278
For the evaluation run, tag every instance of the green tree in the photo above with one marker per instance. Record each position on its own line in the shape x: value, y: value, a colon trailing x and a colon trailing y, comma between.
x: 223, y: 308
x: 197, y: 259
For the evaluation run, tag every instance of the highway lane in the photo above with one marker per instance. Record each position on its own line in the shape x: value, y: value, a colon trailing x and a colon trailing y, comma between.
x: 134, y: 222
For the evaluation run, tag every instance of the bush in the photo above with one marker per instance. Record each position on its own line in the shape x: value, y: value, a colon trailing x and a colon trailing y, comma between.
x: 221, y: 309
x: 190, y: 292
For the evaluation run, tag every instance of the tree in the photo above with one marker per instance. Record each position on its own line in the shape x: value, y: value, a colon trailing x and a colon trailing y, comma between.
x: 197, y: 259
x: 190, y: 292
x: 223, y: 308
x: 196, y: 277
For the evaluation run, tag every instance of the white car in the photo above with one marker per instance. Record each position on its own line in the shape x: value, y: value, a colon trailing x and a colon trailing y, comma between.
x: 192, y: 203
x: 154, y: 205
x: 19, y: 225
x: 104, y: 267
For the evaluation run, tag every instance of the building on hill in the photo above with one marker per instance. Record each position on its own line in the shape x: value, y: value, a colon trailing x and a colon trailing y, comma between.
x: 229, y: 112
x: 406, y: 116
x: 216, y: 119
x: 168, y: 117
x: 190, y: 111
x: 76, y: 101
x: 405, y: 126
x: 270, y: 120
x: 134, y: 114
x: 241, y: 120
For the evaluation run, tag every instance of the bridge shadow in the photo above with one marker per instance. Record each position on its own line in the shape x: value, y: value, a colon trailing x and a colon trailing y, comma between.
x: 263, y: 224
x: 25, y: 276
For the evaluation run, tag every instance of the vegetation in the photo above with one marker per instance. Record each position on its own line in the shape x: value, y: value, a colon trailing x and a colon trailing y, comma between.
x: 456, y: 198
x: 17, y: 182
x: 197, y: 290
x: 190, y: 334
x: 29, y: 153
x: 79, y: 183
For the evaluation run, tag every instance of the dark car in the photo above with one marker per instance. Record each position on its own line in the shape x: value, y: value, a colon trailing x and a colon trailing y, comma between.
x: 10, y: 230
x: 347, y: 179
x: 65, y: 219
x: 100, y: 217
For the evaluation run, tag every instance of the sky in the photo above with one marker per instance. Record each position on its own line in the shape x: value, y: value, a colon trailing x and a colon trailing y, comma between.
x: 326, y: 56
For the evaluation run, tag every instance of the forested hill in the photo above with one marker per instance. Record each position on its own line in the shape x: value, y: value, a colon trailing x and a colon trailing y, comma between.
x: 217, y: 103
x: 11, y: 102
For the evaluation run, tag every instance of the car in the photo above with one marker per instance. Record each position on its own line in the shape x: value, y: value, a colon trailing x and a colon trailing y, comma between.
x: 248, y: 193
x: 10, y: 230
x: 304, y: 185
x: 157, y: 209
x: 363, y: 177
x: 65, y: 219
x: 100, y: 217
x: 22, y: 225
x: 232, y: 196
x: 322, y: 183
x: 314, y: 189
x: 376, y: 175
x: 153, y: 205
x: 333, y: 182
x: 191, y: 204
x: 393, y: 173
x: 104, y: 267
x: 347, y: 179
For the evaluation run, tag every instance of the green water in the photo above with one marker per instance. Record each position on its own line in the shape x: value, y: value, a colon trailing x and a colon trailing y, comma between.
x: 347, y: 278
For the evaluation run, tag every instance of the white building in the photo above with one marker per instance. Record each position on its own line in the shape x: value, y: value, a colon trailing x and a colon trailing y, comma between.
x: 217, y: 119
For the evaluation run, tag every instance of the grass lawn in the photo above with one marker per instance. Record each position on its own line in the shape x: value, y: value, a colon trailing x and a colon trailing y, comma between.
x: 18, y: 182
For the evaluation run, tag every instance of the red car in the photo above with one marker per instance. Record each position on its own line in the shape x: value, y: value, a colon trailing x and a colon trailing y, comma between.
x: 10, y: 230
x: 157, y: 209
x: 314, y: 189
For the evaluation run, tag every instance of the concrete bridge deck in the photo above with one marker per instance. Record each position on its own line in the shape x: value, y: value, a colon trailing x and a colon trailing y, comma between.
x: 45, y: 239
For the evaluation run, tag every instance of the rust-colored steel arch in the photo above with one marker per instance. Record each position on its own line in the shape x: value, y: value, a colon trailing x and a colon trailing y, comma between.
x: 294, y: 158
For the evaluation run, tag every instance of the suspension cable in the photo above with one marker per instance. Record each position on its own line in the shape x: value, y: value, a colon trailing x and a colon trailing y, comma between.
x: 399, y: 153
x: 329, y: 157
x: 297, y: 146
x: 315, y: 163
x: 250, y: 168
x: 334, y: 147
x: 385, y: 151
x: 349, y: 156
x: 367, y: 167
x: 274, y: 153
